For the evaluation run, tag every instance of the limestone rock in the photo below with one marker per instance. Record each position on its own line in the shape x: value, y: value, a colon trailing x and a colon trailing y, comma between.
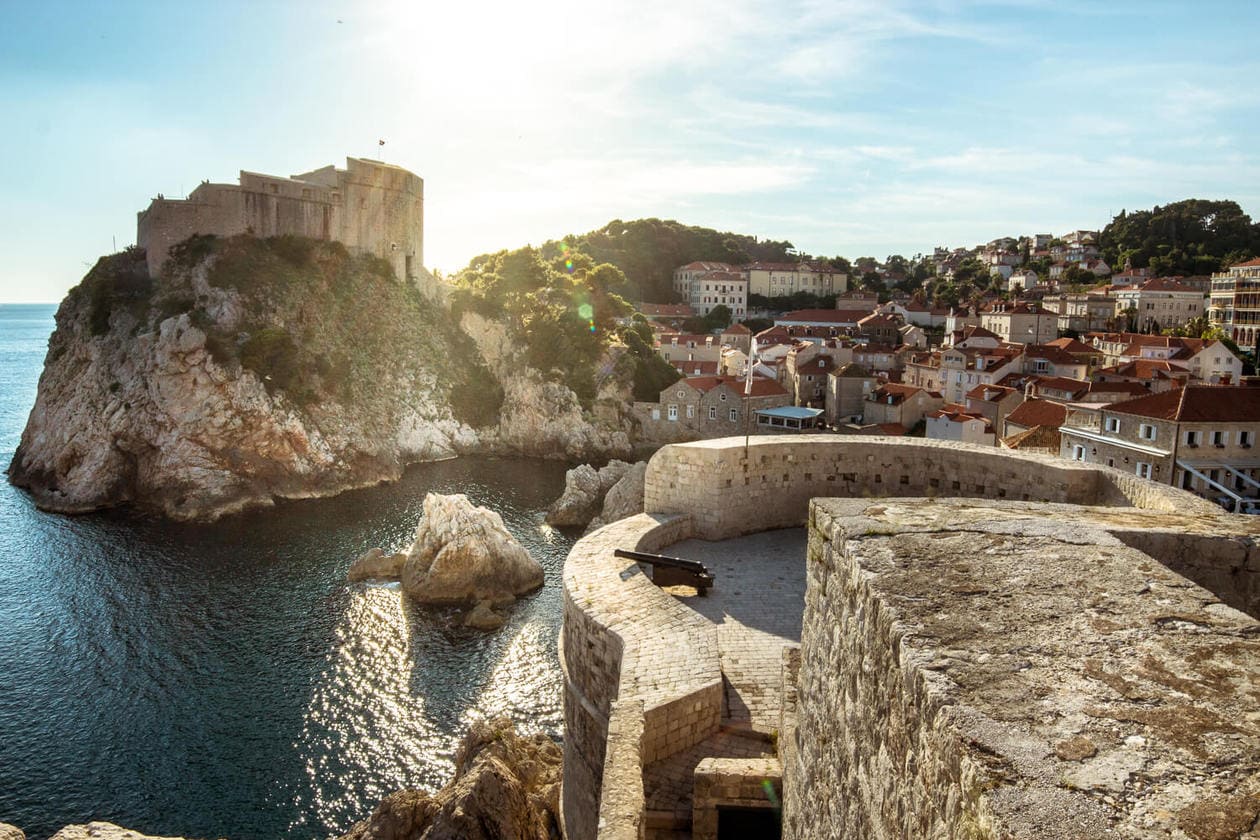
x: 153, y: 394
x: 584, y: 491
x: 102, y: 831
x: 463, y: 554
x: 483, y: 617
x: 506, y: 787
x: 375, y: 564
x: 543, y: 418
x: 11, y: 832
x: 625, y: 498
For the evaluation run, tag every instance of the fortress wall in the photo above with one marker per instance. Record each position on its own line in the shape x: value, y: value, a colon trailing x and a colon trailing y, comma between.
x: 1226, y: 563
x: 167, y: 222
x: 638, y: 664
x: 642, y: 677
x: 1025, y: 675
x: 384, y: 213
x: 370, y: 207
x: 729, y: 493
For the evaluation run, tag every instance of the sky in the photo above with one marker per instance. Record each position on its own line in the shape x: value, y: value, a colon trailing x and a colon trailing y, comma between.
x: 848, y: 127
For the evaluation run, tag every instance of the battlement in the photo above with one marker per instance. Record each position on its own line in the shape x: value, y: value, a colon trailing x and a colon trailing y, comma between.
x: 370, y: 207
x: 988, y: 638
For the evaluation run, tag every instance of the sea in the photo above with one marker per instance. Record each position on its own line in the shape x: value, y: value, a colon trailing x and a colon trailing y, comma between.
x: 225, y: 680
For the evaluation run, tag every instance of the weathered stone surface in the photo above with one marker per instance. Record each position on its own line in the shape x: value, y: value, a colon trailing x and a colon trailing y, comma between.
x: 11, y: 832
x: 585, y: 489
x: 581, y: 498
x: 375, y: 564
x: 625, y: 498
x: 102, y: 831
x: 506, y: 787
x: 1007, y: 671
x: 463, y: 554
x: 483, y: 617
x: 545, y: 419
x: 157, y: 410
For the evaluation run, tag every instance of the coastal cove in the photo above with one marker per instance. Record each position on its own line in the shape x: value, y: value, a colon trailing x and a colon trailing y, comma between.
x: 225, y: 680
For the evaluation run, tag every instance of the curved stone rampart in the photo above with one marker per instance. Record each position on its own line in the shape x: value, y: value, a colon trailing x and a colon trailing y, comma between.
x: 642, y: 678
x: 632, y: 653
x: 730, y: 489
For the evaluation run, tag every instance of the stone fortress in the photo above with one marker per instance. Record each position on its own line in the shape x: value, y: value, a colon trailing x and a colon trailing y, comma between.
x: 370, y: 207
x: 990, y: 645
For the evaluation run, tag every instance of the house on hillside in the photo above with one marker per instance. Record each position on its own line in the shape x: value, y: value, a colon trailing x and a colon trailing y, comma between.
x: 954, y: 422
x: 847, y: 389
x: 701, y: 407
x: 1200, y: 438
x: 904, y: 405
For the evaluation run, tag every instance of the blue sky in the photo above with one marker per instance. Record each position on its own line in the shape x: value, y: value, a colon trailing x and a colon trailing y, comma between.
x: 860, y: 128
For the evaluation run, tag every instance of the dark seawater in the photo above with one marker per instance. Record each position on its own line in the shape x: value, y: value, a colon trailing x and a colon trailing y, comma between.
x: 225, y: 680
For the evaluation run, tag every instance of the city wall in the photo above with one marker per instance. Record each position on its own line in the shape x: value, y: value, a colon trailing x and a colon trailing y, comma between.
x: 642, y: 679
x: 1013, y: 670
x: 730, y: 490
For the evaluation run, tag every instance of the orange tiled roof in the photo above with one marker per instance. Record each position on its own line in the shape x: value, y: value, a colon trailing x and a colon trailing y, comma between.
x: 1198, y: 404
x: 1035, y: 412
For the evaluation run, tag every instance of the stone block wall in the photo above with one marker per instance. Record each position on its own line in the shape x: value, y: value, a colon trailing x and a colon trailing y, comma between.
x: 1026, y: 675
x: 370, y: 207
x: 1053, y: 575
x: 642, y: 678
x: 729, y: 489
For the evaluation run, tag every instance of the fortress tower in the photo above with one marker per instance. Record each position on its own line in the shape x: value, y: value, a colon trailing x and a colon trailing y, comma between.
x: 370, y: 207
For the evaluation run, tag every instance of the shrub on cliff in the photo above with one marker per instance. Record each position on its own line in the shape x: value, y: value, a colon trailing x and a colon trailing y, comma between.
x: 562, y: 310
x: 117, y: 280
x: 272, y: 355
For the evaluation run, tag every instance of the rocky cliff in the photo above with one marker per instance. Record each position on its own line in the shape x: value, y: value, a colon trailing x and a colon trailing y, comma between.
x: 543, y: 417
x: 506, y: 787
x: 258, y: 369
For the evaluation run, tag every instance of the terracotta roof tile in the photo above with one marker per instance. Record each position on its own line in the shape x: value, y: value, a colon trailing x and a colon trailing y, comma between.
x: 1197, y: 404
x: 1035, y: 412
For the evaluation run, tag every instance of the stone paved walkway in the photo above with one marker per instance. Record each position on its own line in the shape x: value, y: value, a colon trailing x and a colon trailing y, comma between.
x: 757, y: 602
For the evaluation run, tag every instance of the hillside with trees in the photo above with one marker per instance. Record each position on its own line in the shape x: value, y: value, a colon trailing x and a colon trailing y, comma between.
x: 648, y: 250
x: 1189, y: 237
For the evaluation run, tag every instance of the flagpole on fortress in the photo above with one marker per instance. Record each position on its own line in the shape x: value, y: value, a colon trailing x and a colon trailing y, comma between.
x: 752, y: 358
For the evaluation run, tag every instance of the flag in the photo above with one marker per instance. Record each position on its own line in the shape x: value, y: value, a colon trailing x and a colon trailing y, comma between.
x: 752, y: 360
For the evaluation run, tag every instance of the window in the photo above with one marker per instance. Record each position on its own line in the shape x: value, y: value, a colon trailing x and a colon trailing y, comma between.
x: 722, y: 397
x: 713, y: 412
x: 1143, y: 470
x: 1219, y: 439
x: 691, y: 411
x: 1111, y: 462
x: 673, y: 412
x: 1113, y: 424
x: 1078, y: 453
x: 734, y: 415
x: 1192, y: 439
x: 1245, y: 439
x: 1146, y: 431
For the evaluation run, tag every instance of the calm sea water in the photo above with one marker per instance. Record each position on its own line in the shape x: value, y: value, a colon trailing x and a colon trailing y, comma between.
x: 225, y: 680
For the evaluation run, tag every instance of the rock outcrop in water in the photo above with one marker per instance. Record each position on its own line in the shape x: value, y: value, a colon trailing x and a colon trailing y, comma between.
x: 258, y: 369
x: 625, y: 498
x: 461, y: 554
x: 506, y: 787
x: 254, y: 369
x: 597, y: 497
x: 584, y: 491
x: 103, y: 831
x: 464, y: 554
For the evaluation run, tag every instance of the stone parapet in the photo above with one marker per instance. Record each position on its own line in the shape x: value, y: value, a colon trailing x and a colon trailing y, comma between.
x: 1019, y: 675
x: 729, y: 489
x: 628, y: 645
